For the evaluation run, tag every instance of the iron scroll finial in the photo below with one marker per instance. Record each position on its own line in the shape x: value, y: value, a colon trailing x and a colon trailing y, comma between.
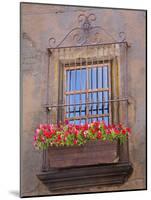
x: 86, y: 34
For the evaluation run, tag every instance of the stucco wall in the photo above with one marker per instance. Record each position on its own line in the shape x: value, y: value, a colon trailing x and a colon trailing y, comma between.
x: 40, y: 22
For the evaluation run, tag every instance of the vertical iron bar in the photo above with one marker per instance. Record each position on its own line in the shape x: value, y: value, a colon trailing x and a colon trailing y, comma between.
x: 117, y: 83
x: 97, y: 106
x: 69, y: 80
x: 91, y: 92
x: 126, y: 81
x: 109, y: 75
x: 87, y: 97
x: 58, y: 71
x: 103, y: 86
x: 80, y: 61
x: 126, y: 94
x: 45, y: 152
x: 66, y: 85
x: 75, y: 85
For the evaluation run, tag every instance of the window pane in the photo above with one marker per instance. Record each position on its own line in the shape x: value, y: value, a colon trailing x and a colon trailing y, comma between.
x: 100, y: 77
x: 93, y: 108
x: 67, y: 80
x: 83, y: 121
x: 83, y: 78
x: 106, y: 120
x: 105, y: 77
x: 100, y: 95
x: 106, y: 105
x: 92, y: 78
x: 77, y: 101
x: 83, y: 107
x: 100, y: 119
x: 78, y: 79
x: 71, y: 108
x: 77, y: 121
x: 72, y: 80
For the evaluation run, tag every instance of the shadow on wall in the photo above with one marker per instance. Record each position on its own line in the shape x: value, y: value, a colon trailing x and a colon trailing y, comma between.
x: 14, y: 193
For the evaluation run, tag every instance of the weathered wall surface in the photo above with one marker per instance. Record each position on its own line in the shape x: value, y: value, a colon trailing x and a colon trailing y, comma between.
x: 40, y: 22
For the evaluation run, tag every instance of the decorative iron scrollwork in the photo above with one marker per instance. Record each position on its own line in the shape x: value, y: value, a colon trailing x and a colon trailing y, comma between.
x: 86, y: 34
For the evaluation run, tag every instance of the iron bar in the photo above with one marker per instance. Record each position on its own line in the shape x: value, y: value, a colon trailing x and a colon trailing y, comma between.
x: 87, y: 116
x: 111, y: 100
x: 80, y: 107
x: 75, y: 74
x: 87, y: 91
x: 89, y: 65
x: 87, y: 45
x: 87, y: 86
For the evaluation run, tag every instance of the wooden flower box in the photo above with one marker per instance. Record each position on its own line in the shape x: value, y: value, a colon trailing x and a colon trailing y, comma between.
x: 91, y: 153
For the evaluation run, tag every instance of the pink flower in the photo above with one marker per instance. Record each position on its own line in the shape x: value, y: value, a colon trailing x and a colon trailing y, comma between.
x: 108, y: 131
x: 66, y: 121
x: 37, y: 131
x: 35, y: 137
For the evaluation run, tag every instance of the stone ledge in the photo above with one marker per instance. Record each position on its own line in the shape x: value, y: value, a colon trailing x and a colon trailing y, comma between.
x: 85, y: 176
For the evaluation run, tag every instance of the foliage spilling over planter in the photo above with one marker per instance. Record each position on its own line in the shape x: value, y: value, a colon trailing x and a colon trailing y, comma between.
x: 66, y: 134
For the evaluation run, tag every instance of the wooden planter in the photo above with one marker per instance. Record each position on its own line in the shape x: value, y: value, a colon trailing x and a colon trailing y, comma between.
x: 98, y: 152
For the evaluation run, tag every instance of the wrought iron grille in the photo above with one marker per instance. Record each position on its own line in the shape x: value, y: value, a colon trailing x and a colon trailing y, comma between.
x: 92, y: 65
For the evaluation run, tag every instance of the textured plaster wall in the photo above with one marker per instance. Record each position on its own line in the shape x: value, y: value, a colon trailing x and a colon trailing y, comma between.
x: 40, y: 22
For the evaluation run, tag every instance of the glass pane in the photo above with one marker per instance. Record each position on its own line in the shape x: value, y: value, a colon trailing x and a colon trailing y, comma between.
x: 72, y: 80
x: 106, y: 105
x: 67, y: 80
x: 106, y: 120
x: 77, y: 101
x: 71, y: 108
x: 100, y: 95
x: 77, y: 121
x: 93, y: 74
x: 78, y: 79
x: 100, y: 119
x: 93, y: 107
x: 94, y: 119
x: 83, y: 78
x: 89, y: 120
x: 71, y: 122
x: 83, y: 121
x: 83, y: 107
x: 100, y: 77
x: 105, y: 77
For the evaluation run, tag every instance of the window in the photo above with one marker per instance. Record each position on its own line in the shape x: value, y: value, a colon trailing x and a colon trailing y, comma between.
x: 87, y: 92
x: 87, y: 81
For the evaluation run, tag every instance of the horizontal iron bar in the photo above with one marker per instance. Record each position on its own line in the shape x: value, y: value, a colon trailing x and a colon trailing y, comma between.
x: 89, y: 66
x: 111, y: 100
x: 86, y: 91
x: 87, y: 45
x: 87, y: 116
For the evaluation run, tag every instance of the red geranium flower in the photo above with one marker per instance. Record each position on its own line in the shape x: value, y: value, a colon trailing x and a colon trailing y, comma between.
x: 123, y: 131
x: 99, y: 135
x: 75, y: 141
